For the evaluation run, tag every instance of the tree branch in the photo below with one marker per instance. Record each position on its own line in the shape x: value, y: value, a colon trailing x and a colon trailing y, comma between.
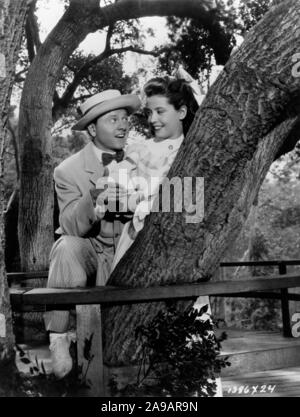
x: 205, y: 11
x: 154, y: 52
x: 290, y: 143
x: 17, y: 76
x: 12, y: 126
x: 60, y: 104
x: 32, y: 32
x: 109, y: 34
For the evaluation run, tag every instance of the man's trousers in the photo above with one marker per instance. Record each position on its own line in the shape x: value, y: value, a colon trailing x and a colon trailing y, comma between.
x: 75, y: 262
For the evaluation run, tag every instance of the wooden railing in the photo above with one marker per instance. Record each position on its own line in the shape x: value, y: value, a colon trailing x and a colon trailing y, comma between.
x: 285, y: 297
x: 88, y: 302
x: 253, y: 287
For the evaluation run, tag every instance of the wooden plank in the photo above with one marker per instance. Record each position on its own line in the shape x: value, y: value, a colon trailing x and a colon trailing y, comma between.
x: 16, y: 295
x: 89, y: 349
x: 261, y: 263
x: 261, y: 294
x: 44, y: 274
x: 17, y: 276
x: 20, y: 276
x: 253, y: 294
x: 285, y: 310
x: 39, y: 308
x: 123, y: 295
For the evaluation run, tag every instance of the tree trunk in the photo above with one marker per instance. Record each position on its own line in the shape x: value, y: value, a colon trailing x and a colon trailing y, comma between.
x: 247, y: 115
x: 12, y: 20
x: 36, y: 184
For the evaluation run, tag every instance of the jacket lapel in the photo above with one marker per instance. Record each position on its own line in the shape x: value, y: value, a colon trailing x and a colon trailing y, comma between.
x: 92, y: 164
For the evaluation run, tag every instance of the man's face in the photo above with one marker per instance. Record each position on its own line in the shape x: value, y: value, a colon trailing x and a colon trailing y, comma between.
x: 110, y: 131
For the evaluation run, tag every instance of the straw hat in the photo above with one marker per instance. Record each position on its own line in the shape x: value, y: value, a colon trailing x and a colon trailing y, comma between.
x: 104, y: 102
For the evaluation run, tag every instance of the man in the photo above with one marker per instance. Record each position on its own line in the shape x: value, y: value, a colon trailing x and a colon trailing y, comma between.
x: 90, y: 233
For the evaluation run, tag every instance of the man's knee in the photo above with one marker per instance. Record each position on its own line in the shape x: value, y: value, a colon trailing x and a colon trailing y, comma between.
x: 71, y: 262
x: 68, y: 247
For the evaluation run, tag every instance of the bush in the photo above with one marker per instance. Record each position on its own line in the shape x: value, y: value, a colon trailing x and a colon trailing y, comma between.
x: 179, y: 355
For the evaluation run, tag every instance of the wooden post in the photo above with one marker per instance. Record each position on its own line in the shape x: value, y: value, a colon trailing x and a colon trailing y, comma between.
x: 89, y: 348
x: 286, y: 321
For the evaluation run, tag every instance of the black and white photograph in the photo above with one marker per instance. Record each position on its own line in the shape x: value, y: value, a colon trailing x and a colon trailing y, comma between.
x: 149, y: 201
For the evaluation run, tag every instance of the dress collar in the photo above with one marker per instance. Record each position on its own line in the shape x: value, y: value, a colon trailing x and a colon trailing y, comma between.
x: 168, y: 144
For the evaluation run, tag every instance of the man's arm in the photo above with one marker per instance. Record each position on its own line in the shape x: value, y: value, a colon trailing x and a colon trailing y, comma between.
x: 77, y: 211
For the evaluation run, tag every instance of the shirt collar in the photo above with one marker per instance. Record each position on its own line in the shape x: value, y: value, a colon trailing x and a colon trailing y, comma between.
x: 99, y: 152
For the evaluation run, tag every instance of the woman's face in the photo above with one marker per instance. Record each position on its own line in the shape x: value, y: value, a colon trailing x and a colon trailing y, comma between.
x: 164, y: 119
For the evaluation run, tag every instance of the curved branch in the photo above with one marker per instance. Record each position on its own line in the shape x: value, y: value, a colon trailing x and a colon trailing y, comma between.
x: 154, y: 52
x: 205, y: 11
x: 291, y: 141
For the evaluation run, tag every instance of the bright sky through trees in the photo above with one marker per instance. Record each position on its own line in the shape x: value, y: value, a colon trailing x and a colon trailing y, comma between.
x: 50, y: 11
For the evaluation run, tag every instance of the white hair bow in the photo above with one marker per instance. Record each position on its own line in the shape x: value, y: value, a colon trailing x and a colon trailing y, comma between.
x: 198, y: 93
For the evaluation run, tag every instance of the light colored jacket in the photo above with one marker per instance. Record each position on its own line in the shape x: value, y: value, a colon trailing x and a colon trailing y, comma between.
x: 74, y: 178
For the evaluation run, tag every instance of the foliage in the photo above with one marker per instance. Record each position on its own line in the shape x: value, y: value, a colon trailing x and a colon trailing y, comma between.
x: 288, y: 217
x: 190, y: 45
x: 197, y: 49
x: 127, y: 32
x: 179, y: 355
x: 251, y: 11
x: 258, y: 249
x: 85, y: 75
x: 34, y: 381
x: 102, y: 75
x: 276, y: 236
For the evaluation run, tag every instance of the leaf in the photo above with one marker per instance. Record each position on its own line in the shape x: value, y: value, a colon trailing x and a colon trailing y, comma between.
x: 25, y: 360
x: 43, y: 368
x: 203, y: 310
x: 80, y: 369
x: 87, y: 347
x: 20, y: 350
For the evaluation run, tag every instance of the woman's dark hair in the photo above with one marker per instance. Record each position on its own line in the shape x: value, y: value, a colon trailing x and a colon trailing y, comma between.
x: 178, y: 92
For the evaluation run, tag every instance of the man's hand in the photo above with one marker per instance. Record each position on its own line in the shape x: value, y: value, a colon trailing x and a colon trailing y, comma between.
x: 112, y: 197
x: 115, y: 198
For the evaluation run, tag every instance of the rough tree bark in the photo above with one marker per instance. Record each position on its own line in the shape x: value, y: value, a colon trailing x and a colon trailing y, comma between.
x: 36, y: 188
x: 249, y: 112
x: 12, y: 20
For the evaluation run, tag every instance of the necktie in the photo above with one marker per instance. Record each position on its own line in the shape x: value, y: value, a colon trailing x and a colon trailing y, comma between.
x: 107, y: 158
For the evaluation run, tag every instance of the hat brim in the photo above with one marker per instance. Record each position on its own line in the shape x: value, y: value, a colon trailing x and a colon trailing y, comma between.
x: 130, y: 102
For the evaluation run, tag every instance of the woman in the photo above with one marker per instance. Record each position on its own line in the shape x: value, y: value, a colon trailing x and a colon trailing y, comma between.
x: 171, y: 104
